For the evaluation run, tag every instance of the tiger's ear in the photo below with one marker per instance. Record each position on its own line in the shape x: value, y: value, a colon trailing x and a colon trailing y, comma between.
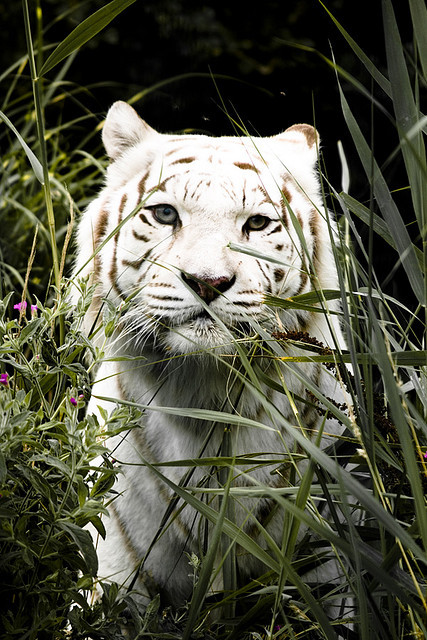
x: 305, y: 138
x: 123, y: 128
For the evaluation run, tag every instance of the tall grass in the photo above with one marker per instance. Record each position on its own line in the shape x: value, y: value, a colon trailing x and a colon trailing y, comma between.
x: 51, y: 482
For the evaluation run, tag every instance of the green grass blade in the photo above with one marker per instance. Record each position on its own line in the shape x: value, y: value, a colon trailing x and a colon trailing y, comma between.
x: 386, y: 203
x: 406, y: 110
x: 351, y: 484
x: 240, y: 537
x: 403, y: 425
x: 229, y: 528
x: 34, y: 161
x: 419, y: 20
x: 379, y: 78
x: 208, y: 562
x: 84, y: 32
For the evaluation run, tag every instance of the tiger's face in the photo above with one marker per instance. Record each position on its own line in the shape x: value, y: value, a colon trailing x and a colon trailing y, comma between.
x: 202, y: 229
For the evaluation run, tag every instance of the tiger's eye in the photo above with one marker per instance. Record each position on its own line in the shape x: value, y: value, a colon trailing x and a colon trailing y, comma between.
x: 256, y: 223
x: 165, y: 213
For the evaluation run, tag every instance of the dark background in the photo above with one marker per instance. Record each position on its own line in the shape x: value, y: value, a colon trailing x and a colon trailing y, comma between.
x: 207, y: 58
x: 271, y: 84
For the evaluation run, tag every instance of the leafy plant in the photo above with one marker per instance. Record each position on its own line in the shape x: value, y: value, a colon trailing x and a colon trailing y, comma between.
x: 54, y: 472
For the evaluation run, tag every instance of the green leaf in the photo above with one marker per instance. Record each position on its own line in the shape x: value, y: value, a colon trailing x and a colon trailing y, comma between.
x: 34, y: 161
x: 306, y: 301
x: 84, y: 32
x: 83, y: 540
x: 3, y: 468
x: 419, y: 21
x: 38, y: 483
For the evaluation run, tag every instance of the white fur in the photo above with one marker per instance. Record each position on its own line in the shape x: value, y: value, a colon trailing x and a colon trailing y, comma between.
x: 183, y: 360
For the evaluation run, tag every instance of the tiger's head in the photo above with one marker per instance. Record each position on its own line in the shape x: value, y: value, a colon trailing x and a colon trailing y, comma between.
x: 198, y: 229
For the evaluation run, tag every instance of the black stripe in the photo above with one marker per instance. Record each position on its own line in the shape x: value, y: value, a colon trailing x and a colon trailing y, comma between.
x: 173, y: 298
x: 144, y: 219
x: 279, y: 227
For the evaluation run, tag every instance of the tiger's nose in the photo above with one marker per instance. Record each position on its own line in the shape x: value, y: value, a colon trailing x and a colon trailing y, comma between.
x: 208, y: 288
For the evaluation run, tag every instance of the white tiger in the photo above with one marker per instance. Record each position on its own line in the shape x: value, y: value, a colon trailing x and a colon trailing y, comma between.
x: 182, y: 225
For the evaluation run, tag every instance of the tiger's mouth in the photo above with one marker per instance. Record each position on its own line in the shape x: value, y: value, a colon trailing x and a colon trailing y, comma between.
x: 203, y: 323
x: 201, y: 330
x: 203, y: 316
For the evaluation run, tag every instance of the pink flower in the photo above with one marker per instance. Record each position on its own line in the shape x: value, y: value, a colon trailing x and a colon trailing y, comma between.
x: 21, y: 306
x: 4, y: 379
x: 73, y: 402
x: 425, y: 455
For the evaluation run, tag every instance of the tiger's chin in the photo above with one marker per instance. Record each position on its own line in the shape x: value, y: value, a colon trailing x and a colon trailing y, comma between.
x: 202, y: 333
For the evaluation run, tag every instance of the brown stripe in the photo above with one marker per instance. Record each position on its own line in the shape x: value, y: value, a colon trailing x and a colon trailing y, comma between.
x: 248, y: 291
x: 124, y: 534
x: 161, y: 284
x: 195, y: 190
x: 141, y: 186
x: 99, y: 232
x: 285, y: 215
x: 286, y: 194
x: 162, y: 185
x: 303, y: 281
x: 135, y: 264
x: 246, y: 166
x: 243, y: 303
x: 139, y: 236
x: 268, y: 288
x: 314, y: 228
x: 113, y: 269
x: 173, y: 298
x: 101, y: 227
x: 184, y: 160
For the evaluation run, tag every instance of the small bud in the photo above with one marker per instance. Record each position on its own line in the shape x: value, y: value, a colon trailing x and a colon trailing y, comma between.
x: 21, y: 306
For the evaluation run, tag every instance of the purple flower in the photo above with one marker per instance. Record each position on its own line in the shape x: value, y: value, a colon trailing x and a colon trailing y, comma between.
x: 21, y: 306
x: 73, y: 402
x: 4, y: 379
x: 425, y: 455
